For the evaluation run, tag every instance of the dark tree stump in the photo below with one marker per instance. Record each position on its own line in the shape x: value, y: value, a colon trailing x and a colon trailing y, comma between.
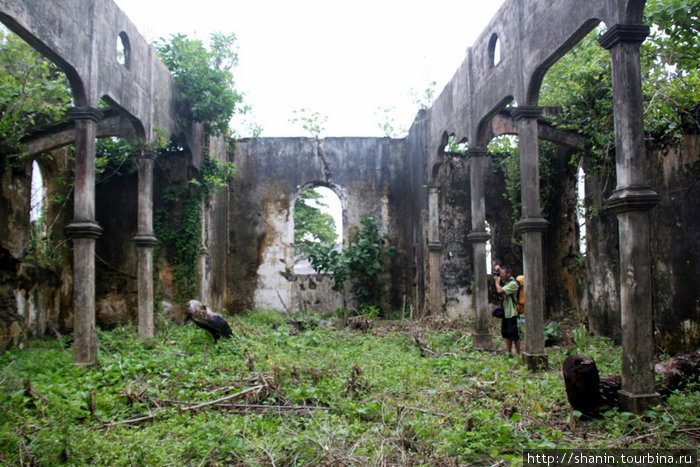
x: 589, y: 393
x: 582, y: 384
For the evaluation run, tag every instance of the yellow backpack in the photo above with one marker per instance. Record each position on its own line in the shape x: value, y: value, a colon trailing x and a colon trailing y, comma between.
x: 520, y: 303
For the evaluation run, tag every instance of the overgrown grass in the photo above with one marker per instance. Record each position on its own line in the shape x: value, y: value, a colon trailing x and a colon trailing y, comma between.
x: 318, y: 393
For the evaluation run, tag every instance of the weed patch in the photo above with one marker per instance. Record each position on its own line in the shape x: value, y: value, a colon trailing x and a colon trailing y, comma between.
x: 281, y: 393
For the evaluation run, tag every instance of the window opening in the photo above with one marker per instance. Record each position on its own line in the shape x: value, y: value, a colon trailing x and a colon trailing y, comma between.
x: 123, y: 50
x: 488, y: 264
x: 495, y: 50
x: 581, y: 209
x: 317, y: 219
x: 36, y: 210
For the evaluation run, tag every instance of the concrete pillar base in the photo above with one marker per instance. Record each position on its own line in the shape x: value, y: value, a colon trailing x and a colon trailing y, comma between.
x: 637, y: 403
x: 536, y: 362
x: 482, y: 341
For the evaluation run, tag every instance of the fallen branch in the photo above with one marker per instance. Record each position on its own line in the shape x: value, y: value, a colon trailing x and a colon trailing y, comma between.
x: 182, y: 409
x: 226, y: 398
x: 132, y: 420
x: 427, y: 412
x: 273, y: 407
x: 481, y: 384
x: 425, y: 349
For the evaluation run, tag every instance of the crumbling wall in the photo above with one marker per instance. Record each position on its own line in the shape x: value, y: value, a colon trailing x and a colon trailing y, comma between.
x: 675, y: 235
x: 377, y: 177
x: 35, y: 297
x: 457, y: 269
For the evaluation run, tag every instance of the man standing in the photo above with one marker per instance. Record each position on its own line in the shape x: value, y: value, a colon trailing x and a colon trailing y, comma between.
x: 505, y: 284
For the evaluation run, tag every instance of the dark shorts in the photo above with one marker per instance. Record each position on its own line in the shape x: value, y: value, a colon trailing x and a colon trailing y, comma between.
x: 509, y: 328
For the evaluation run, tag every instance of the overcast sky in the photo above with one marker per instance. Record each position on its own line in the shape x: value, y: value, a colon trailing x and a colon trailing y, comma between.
x: 344, y: 60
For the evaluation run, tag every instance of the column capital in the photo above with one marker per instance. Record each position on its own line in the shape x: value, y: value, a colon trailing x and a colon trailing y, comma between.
x: 626, y: 33
x: 478, y: 237
x: 145, y: 240
x: 531, y: 224
x: 476, y: 152
x: 633, y: 198
x: 85, y: 229
x: 526, y: 111
x: 85, y: 113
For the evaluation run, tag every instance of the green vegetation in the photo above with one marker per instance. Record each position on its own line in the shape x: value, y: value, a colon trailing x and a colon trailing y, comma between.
x: 361, y: 263
x: 302, y: 393
x: 312, y: 122
x: 33, y: 91
x: 311, y: 224
x: 206, y: 78
x: 581, y: 84
x: 178, y: 222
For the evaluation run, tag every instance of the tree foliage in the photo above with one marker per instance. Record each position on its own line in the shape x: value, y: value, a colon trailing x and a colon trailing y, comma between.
x: 206, y: 78
x: 33, y: 91
x: 311, y: 223
x: 580, y: 83
x: 671, y: 59
x: 361, y: 262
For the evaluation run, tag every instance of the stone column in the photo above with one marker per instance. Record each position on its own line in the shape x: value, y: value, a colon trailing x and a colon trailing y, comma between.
x: 84, y: 230
x: 478, y: 238
x: 145, y: 241
x: 531, y: 226
x: 632, y: 200
x: 434, y: 250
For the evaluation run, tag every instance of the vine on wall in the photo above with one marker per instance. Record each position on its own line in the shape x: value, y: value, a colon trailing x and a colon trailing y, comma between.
x: 178, y: 222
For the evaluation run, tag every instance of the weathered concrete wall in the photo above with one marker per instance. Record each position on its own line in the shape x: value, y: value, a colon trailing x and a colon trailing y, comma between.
x: 457, y: 269
x: 377, y: 177
x: 35, y: 299
x: 676, y: 246
x: 675, y: 234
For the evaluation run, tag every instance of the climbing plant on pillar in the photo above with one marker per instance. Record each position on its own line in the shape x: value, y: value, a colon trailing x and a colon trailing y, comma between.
x: 178, y: 221
x: 207, y: 87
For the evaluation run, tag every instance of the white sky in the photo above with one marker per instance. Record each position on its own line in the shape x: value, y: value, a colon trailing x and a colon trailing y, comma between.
x: 345, y: 60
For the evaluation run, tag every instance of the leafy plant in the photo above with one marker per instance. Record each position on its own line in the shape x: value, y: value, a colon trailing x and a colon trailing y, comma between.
x: 387, y: 122
x: 552, y: 332
x: 178, y: 222
x: 33, y: 91
x: 361, y: 262
x: 311, y: 223
x: 315, y: 396
x: 206, y: 78
x: 312, y: 122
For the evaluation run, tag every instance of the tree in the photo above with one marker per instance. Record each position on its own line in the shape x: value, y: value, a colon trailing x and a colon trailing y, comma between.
x: 361, y: 262
x: 33, y: 91
x: 581, y: 81
x: 311, y: 223
x: 206, y: 78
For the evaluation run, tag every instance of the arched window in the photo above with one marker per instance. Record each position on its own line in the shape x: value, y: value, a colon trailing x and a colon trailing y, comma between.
x: 318, y: 218
x: 123, y: 50
x: 581, y: 209
x: 489, y: 264
x: 36, y: 210
x: 495, y: 50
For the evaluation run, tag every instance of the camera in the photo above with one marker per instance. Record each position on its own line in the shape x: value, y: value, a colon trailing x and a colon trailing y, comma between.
x: 496, y: 273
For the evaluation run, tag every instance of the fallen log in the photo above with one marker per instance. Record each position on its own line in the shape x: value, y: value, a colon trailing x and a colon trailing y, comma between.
x: 676, y: 372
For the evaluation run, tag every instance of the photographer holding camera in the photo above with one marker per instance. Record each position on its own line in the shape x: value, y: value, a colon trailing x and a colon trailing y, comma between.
x: 507, y: 285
